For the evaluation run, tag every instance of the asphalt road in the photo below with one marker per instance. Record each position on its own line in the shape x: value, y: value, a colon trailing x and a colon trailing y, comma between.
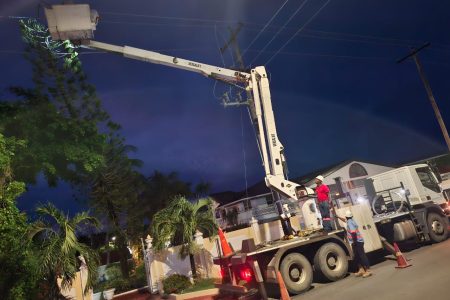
x: 427, y: 279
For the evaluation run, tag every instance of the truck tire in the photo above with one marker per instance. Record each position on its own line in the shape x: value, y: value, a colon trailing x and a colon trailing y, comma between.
x: 297, y: 273
x: 330, y: 262
x: 437, y: 227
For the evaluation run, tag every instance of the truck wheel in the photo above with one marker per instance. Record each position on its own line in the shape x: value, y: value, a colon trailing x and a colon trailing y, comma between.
x: 297, y: 273
x: 437, y: 227
x: 331, y: 262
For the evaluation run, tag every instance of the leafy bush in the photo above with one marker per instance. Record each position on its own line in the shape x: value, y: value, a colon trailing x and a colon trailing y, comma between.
x: 115, y: 280
x: 113, y: 272
x: 140, y: 277
x: 176, y: 284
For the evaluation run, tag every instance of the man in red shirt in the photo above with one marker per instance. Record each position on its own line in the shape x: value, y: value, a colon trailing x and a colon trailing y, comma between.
x: 322, y: 192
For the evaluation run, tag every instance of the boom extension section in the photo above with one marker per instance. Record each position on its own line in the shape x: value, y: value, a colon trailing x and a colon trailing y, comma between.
x: 77, y: 22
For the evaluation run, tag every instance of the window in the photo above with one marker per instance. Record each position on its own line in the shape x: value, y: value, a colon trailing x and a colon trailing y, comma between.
x: 428, y: 180
x: 357, y: 170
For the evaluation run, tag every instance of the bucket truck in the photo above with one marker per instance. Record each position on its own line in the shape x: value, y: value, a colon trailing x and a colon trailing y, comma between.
x: 257, y: 265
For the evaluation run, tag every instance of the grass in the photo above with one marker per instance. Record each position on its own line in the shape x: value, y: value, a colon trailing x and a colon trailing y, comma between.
x: 202, y: 284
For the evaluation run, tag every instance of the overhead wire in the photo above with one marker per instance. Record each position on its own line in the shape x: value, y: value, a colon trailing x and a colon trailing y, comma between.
x: 247, y: 24
x: 15, y: 17
x: 265, y: 26
x: 244, y: 154
x: 298, y: 31
x: 279, y: 30
x: 168, y: 18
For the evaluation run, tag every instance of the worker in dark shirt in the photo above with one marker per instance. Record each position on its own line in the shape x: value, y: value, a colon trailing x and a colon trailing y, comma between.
x: 356, y: 240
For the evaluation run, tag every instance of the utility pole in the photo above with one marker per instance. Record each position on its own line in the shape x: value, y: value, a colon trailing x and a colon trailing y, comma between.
x: 414, y: 54
x: 234, y: 43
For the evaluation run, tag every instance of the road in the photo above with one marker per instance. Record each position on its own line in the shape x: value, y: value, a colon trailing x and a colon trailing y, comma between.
x: 428, y: 278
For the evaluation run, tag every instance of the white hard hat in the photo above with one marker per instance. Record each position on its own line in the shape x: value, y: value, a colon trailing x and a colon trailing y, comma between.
x: 320, y: 177
x: 348, y: 214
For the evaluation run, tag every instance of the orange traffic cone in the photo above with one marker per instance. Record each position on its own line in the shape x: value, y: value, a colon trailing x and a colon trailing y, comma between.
x: 283, y: 290
x: 226, y: 249
x: 401, y: 260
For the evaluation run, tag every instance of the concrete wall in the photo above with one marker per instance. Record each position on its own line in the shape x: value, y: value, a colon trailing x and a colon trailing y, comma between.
x: 75, y: 291
x: 167, y: 262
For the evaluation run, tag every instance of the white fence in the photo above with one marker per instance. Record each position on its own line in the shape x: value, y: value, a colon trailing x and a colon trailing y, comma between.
x: 168, y: 262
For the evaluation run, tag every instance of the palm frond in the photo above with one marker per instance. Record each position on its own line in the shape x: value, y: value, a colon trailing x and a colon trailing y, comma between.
x: 59, y: 246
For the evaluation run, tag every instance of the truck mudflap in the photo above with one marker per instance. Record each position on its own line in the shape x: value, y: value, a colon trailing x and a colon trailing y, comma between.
x: 229, y: 291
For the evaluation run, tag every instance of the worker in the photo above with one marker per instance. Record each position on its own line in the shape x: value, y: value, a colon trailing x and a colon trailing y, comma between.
x: 356, y: 240
x: 285, y: 215
x: 322, y: 192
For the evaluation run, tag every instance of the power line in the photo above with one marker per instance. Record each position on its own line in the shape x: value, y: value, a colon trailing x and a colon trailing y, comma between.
x: 265, y: 26
x: 169, y: 18
x: 159, y: 24
x: 323, y: 55
x: 247, y: 24
x: 15, y: 17
x: 353, y: 41
x: 298, y: 31
x: 281, y: 29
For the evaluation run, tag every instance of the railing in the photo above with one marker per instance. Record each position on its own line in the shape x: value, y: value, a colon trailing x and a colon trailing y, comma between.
x: 262, y: 214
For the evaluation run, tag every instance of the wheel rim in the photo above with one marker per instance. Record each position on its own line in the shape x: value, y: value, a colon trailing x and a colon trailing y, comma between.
x: 333, y: 261
x: 296, y: 273
x: 437, y: 227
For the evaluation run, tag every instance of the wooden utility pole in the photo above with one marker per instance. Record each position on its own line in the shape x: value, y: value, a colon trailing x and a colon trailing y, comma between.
x: 234, y: 43
x: 414, y: 55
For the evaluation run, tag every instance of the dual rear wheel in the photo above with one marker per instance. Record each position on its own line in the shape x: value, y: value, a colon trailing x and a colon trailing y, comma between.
x: 330, y: 263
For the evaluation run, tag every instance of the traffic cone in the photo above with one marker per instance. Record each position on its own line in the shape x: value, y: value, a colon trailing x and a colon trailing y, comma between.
x: 283, y: 290
x: 401, y: 260
x: 226, y: 249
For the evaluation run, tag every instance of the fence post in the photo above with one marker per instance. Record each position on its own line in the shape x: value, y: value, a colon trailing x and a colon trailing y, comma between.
x: 256, y: 232
x: 148, y: 259
x: 200, y: 242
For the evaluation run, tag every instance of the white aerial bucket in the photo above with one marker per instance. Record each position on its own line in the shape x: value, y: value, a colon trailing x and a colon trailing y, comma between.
x: 75, y: 22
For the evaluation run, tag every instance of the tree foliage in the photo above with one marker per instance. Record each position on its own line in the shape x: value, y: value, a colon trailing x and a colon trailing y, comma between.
x: 160, y: 188
x: 59, y: 117
x: 18, y: 279
x: 114, y: 191
x: 177, y: 223
x: 55, y: 234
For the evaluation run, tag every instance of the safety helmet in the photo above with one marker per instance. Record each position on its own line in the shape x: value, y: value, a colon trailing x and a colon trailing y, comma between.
x: 348, y: 214
x: 320, y: 177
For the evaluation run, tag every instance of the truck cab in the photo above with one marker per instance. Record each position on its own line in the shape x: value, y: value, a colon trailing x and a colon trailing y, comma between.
x: 419, y: 181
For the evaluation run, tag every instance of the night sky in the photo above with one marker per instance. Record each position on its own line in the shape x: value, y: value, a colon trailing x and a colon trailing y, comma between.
x: 337, y: 91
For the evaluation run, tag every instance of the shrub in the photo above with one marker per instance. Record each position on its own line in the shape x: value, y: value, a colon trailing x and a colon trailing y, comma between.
x: 115, y: 280
x: 140, y: 277
x: 176, y: 284
x: 113, y: 272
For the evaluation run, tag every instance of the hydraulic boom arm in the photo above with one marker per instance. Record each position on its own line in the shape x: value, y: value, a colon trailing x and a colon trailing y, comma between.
x: 77, y: 23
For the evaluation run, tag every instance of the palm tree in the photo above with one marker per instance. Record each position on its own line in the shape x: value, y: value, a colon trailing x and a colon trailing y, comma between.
x: 114, y: 194
x: 59, y: 248
x: 178, y: 222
